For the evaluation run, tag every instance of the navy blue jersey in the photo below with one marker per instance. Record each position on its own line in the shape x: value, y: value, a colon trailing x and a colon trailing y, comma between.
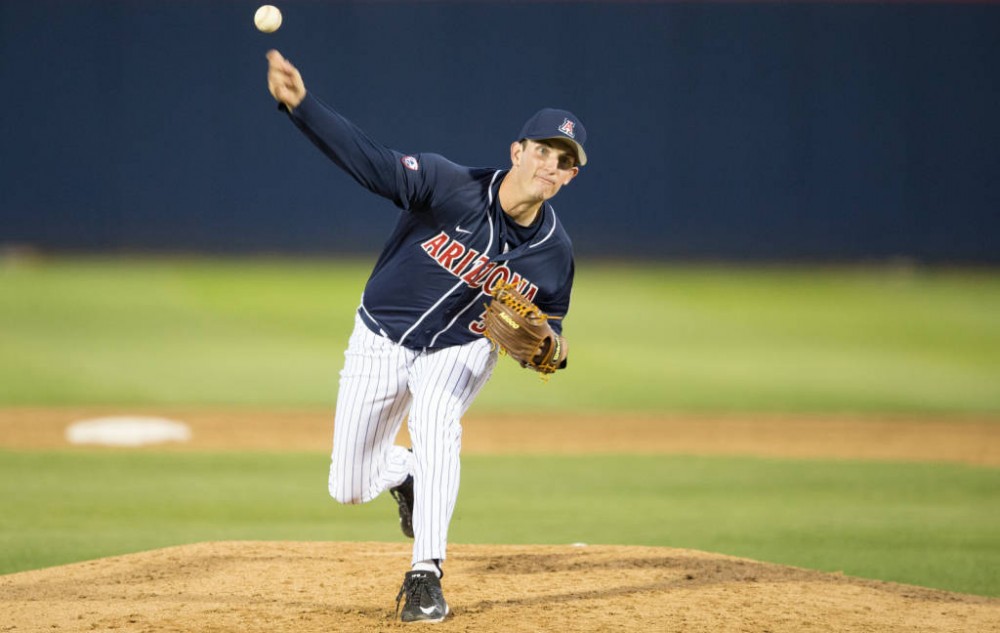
x: 452, y: 243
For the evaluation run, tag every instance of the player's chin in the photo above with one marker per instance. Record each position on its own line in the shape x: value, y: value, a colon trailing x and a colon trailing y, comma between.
x: 546, y: 189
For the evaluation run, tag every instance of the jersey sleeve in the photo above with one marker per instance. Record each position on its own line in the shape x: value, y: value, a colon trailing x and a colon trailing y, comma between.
x: 408, y: 181
x: 557, y: 305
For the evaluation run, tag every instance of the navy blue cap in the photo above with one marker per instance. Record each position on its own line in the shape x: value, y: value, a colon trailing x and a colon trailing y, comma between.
x: 551, y: 123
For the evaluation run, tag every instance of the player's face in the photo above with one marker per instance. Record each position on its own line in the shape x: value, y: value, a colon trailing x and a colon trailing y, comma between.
x: 543, y: 167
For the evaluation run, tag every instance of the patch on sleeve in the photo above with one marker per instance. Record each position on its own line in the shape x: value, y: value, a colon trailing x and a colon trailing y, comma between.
x: 411, y: 163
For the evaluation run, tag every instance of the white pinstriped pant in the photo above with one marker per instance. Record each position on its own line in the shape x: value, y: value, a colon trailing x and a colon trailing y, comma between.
x: 382, y: 383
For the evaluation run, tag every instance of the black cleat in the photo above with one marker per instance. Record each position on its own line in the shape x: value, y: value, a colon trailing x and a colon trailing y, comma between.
x: 424, y: 598
x: 403, y: 494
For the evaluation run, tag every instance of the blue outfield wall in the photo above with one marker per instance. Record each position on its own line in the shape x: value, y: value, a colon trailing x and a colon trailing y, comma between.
x: 739, y: 130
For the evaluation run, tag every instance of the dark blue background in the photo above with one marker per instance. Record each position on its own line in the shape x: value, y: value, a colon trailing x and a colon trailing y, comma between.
x: 779, y: 131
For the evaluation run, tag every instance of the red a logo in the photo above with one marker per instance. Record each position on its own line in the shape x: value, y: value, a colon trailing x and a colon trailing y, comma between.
x: 567, y: 128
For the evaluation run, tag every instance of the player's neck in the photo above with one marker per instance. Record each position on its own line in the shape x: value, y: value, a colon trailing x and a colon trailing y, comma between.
x: 522, y: 209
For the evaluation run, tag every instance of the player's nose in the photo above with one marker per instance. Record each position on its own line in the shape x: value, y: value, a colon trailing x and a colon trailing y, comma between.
x: 551, y: 163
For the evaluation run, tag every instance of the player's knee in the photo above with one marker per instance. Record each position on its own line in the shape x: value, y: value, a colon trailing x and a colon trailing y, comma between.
x: 347, y: 499
x: 341, y: 494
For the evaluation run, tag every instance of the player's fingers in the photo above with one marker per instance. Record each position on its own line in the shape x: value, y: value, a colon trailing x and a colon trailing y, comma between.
x: 284, y: 80
x: 288, y: 94
x: 273, y: 83
x: 278, y: 77
x: 278, y: 86
x: 282, y: 73
x: 278, y: 64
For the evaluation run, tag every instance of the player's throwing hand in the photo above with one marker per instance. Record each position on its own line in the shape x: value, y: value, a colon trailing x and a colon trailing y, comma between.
x: 284, y: 80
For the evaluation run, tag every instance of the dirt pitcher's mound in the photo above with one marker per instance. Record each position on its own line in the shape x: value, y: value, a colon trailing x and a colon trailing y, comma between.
x: 249, y: 587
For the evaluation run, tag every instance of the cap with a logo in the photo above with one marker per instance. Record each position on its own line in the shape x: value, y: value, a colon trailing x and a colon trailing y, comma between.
x: 551, y: 123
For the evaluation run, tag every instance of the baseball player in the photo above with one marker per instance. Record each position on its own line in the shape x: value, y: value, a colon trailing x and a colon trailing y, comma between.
x: 417, y: 349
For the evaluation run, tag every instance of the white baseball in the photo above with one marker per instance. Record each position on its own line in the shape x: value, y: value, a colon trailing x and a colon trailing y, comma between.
x: 267, y: 18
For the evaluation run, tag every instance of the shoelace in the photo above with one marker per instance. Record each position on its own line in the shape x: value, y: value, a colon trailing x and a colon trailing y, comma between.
x: 410, y: 587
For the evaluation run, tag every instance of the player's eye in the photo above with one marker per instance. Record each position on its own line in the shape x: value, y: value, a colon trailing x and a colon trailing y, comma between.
x: 566, y: 162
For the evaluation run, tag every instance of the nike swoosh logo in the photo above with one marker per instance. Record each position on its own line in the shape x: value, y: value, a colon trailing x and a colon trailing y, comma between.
x: 459, y: 229
x: 428, y: 610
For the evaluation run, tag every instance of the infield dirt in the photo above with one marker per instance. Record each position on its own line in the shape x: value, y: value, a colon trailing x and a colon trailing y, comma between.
x: 967, y: 439
x: 281, y: 587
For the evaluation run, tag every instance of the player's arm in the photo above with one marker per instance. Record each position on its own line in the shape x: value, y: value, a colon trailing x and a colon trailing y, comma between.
x: 558, y: 306
x: 377, y: 168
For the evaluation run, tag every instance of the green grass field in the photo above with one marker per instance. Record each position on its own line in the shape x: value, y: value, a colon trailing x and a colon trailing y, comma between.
x: 254, y: 333
x: 653, y: 338
x: 929, y: 525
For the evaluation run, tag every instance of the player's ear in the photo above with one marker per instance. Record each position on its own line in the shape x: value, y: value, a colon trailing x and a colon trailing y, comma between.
x: 570, y: 175
x: 516, y: 149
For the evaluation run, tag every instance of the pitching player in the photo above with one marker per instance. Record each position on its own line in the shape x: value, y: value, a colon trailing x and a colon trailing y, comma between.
x: 417, y: 349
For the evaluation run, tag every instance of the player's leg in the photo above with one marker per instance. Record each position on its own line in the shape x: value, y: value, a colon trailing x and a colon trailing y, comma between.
x: 371, y: 403
x: 444, y: 383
